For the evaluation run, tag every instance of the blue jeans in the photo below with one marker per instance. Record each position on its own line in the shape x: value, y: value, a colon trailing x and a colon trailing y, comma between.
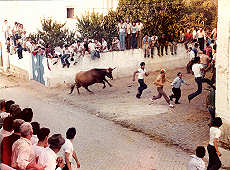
x: 64, y: 59
x: 122, y: 40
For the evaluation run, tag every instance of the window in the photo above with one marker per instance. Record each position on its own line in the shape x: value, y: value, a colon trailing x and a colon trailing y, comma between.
x: 70, y: 12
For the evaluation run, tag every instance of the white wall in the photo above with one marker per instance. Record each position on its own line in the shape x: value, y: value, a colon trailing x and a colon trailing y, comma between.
x: 223, y: 67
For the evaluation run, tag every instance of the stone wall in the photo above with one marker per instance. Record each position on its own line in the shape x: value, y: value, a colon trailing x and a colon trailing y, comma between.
x: 223, y: 68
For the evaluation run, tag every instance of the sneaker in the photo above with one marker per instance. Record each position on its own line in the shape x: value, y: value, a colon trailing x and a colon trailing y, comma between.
x: 171, y: 105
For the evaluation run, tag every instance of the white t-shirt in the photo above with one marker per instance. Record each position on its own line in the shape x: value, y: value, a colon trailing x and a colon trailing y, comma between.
x: 194, y: 34
x: 141, y: 73
x: 191, y: 55
x: 128, y: 26
x: 34, y: 140
x: 68, y: 147
x: 38, y: 150
x: 200, y: 34
x: 214, y: 134
x: 196, y: 68
x: 121, y: 27
x: 196, y: 163
x: 140, y: 27
x: 91, y: 47
x: 104, y: 46
x: 48, y: 158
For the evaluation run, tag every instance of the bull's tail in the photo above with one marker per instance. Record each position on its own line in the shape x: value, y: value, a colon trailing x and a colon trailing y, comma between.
x: 72, y: 88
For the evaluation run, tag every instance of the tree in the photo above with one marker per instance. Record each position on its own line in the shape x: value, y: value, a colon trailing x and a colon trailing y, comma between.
x: 55, y: 34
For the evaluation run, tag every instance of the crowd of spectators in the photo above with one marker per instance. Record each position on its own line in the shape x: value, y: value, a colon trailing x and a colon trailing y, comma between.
x: 25, y: 145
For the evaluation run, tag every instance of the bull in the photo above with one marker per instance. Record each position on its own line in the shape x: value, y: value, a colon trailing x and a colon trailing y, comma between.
x: 87, y: 78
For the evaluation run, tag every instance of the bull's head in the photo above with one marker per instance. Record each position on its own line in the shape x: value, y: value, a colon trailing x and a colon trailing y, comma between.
x: 109, y: 73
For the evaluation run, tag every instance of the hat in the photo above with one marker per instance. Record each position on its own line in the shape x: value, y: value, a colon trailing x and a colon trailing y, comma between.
x: 56, y: 141
x: 163, y: 70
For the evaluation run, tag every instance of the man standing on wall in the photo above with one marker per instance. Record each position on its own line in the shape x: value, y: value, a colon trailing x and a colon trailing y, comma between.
x: 140, y: 35
x: 121, y: 29
x: 128, y: 34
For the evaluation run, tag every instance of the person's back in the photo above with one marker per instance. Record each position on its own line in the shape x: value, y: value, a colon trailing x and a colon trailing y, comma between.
x: 196, y: 162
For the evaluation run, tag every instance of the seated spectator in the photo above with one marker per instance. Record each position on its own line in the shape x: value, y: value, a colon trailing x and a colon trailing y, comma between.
x: 48, y: 51
x: 7, y: 128
x: 66, y: 55
x: 93, y: 49
x: 43, y: 136
x: 49, y: 156
x: 36, y: 128
x: 85, y: 45
x: 115, y: 44
x: 79, y: 51
x: 27, y: 114
x: 15, y: 111
x: 154, y: 43
x: 97, y: 48
x: 197, y: 161
x: 19, y: 50
x: 68, y: 151
x: 104, y: 47
x: 23, y: 156
x: 7, y: 142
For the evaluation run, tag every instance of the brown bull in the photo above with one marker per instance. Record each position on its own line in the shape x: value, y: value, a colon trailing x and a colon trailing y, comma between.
x: 87, y: 78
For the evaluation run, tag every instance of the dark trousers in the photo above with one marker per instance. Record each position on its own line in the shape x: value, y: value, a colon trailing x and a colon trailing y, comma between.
x: 199, y: 81
x: 201, y: 43
x: 189, y: 66
x: 128, y: 41
x: 160, y: 94
x: 64, y: 59
x: 152, y: 49
x: 141, y: 87
x: 214, y: 162
x: 162, y: 50
x: 176, y: 94
x: 134, y: 40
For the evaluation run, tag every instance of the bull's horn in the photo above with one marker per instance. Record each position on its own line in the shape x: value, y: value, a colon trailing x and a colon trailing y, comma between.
x: 114, y: 68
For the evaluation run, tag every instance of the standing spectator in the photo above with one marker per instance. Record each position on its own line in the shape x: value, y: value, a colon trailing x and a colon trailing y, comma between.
x: 66, y: 55
x: 140, y: 34
x: 159, y: 82
x: 197, y: 69
x: 79, y: 50
x: 181, y: 36
x: 194, y: 34
x: 5, y: 29
x: 43, y: 136
x: 176, y: 84
x: 214, y: 162
x: 163, y: 44
x: 154, y: 43
x: 201, y: 36
x: 27, y: 114
x: 128, y: 34
x: 85, y: 44
x: 48, y: 51
x: 121, y: 29
x: 7, y: 142
x: 195, y: 49
x: 210, y: 102
x: 173, y: 44
x: 191, y: 56
x: 36, y: 129
x: 23, y: 156
x: 208, y: 50
x: 15, y: 111
x: 104, y: 46
x: 115, y: 44
x: 68, y: 151
x: 134, y: 31
x: 188, y: 38
x: 49, y: 156
x: 19, y: 50
x: 141, y: 73
x: 7, y: 128
x: 15, y: 33
x: 146, y: 46
x: 197, y: 162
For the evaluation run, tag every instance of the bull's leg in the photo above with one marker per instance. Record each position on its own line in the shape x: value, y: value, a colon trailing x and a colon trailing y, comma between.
x: 88, y: 89
x: 103, y: 84
x: 108, y: 82
x: 78, y: 86
x: 72, y: 87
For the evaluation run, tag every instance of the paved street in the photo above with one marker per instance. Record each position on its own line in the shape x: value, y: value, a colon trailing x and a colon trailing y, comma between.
x: 100, y: 144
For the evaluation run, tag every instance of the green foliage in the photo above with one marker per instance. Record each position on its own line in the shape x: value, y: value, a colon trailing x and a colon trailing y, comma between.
x: 54, y: 33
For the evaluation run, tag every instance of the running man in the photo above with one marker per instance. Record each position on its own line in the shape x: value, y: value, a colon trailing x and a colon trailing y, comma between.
x: 159, y: 82
x: 141, y: 73
x: 176, y: 84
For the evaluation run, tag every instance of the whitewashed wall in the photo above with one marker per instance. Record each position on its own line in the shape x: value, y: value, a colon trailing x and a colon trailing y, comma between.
x: 223, y: 67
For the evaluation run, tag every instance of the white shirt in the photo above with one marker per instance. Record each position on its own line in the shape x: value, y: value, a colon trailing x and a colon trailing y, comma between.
x: 58, y: 50
x: 196, y: 68
x: 22, y: 153
x: 91, y: 47
x: 141, y: 73
x: 78, y: 50
x: 34, y: 140
x: 4, y: 115
x: 48, y: 158
x: 194, y: 34
x: 128, y: 27
x: 191, y: 54
x: 121, y: 27
x: 104, y: 46
x: 140, y: 27
x: 214, y: 134
x: 68, y: 147
x: 196, y: 163
x: 200, y: 34
x: 38, y: 150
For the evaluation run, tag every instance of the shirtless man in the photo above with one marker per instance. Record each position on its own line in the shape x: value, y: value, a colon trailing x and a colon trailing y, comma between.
x: 204, y: 60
